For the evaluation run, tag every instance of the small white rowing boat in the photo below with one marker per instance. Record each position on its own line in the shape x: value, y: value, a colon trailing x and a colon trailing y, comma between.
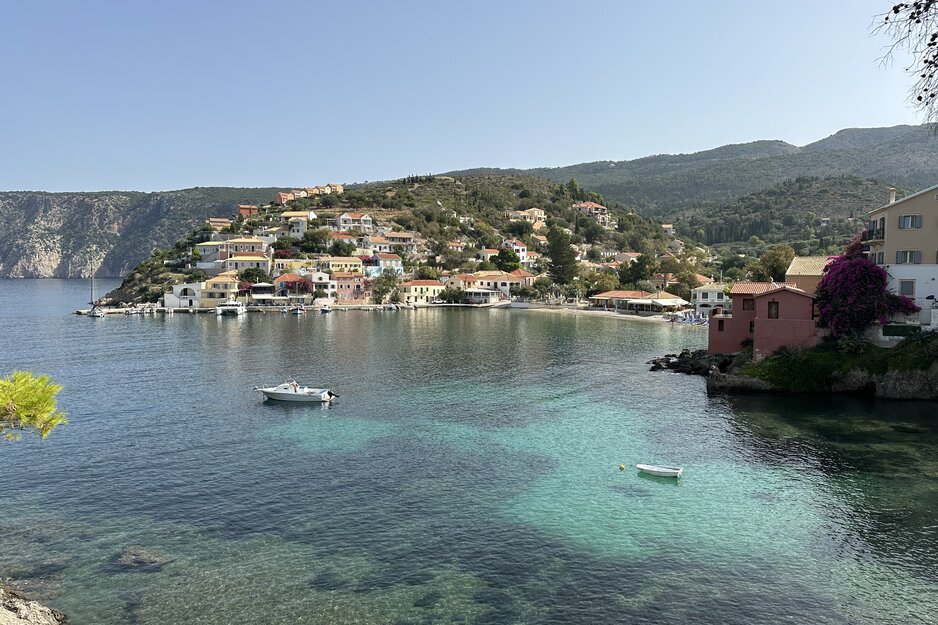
x: 662, y: 471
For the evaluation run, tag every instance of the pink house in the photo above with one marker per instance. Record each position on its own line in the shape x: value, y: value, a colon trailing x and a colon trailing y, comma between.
x: 771, y: 315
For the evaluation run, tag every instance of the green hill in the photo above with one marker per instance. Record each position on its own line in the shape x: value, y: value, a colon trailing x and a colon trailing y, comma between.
x: 665, y: 185
x: 810, y: 213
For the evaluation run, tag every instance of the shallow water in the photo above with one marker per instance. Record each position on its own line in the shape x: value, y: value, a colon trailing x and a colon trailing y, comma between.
x: 467, y: 474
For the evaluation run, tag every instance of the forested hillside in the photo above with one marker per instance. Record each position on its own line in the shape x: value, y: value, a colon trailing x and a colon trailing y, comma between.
x: 666, y: 185
x: 809, y: 213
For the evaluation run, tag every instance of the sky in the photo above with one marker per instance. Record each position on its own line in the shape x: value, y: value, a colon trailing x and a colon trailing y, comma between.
x: 106, y: 95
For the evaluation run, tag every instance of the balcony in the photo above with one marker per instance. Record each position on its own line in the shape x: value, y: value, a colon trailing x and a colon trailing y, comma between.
x: 878, y: 234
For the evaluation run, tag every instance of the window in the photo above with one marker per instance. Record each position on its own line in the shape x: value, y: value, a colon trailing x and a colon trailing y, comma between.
x: 907, y: 288
x: 720, y: 295
x: 880, y: 256
x: 719, y: 325
x: 704, y: 295
x: 749, y: 304
x: 910, y: 221
x: 773, y: 310
x: 908, y: 257
x: 752, y: 327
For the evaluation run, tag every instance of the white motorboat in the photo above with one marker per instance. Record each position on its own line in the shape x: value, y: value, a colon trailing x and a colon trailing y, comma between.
x: 291, y: 391
x: 325, y: 308
x: 299, y: 309
x: 96, y: 311
x: 231, y: 307
x: 662, y: 471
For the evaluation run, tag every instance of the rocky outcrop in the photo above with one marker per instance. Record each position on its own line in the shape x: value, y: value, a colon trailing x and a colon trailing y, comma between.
x: 718, y: 382
x: 140, y: 559
x: 64, y: 235
x: 15, y: 609
x: 698, y: 362
x: 897, y: 384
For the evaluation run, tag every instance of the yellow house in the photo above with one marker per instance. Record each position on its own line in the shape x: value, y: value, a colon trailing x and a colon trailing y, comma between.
x: 345, y: 264
x: 220, y: 288
x: 421, y: 291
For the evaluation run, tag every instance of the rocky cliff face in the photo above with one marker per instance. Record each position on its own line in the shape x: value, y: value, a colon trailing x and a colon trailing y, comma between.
x: 63, y: 235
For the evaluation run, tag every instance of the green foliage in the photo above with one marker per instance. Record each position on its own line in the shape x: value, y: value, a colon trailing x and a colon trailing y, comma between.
x: 425, y: 272
x: 563, y: 265
x: 773, y: 264
x: 383, y: 285
x: 27, y: 402
x: 315, y: 241
x: 254, y: 275
x: 341, y: 248
x: 644, y: 268
x: 452, y: 296
x: 506, y: 260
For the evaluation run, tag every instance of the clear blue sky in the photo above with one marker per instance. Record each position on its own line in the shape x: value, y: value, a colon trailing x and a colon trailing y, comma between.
x: 176, y: 93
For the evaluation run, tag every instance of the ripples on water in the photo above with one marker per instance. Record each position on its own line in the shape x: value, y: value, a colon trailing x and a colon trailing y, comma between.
x: 467, y: 474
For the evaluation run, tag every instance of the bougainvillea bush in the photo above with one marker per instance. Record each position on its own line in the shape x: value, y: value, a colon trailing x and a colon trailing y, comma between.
x: 852, y: 295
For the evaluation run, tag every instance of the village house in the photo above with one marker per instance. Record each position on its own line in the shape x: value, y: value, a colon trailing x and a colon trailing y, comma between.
x: 243, y: 245
x: 288, y: 285
x: 282, y: 198
x: 335, y: 188
x: 218, y: 223
x: 222, y: 287
x: 638, y: 302
x: 382, y: 262
x: 239, y: 261
x: 518, y: 248
x: 297, y: 228
x: 186, y: 295
x: 540, y: 241
x: 533, y: 259
x: 805, y: 272
x: 456, y: 246
x: 903, y: 239
x: 710, y: 297
x: 286, y: 216
x: 627, y: 257
x: 530, y: 215
x: 375, y: 244
x: 668, y: 229
x: 354, y: 221
x: 294, y: 265
x: 405, y: 240
x: 351, y: 287
x: 486, y: 254
x: 770, y: 314
x: 346, y: 264
x: 343, y: 237
x: 459, y: 281
x: 247, y: 210
x: 597, y: 211
x: 421, y: 291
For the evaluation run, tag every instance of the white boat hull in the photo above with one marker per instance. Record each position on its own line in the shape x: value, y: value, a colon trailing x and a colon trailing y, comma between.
x: 296, y: 393
x: 661, y: 471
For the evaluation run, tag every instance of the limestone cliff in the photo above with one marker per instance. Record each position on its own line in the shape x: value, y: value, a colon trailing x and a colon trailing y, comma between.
x: 62, y: 235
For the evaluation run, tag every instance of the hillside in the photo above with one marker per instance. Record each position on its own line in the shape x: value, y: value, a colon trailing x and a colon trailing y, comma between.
x: 56, y: 235
x: 438, y: 209
x: 666, y: 185
x: 810, y: 213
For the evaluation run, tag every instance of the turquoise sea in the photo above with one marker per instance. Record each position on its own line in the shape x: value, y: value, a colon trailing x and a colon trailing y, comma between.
x: 467, y: 474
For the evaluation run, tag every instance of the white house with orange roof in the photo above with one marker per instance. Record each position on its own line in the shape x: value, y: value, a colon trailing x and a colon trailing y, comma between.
x: 354, y: 221
x: 487, y: 254
x: 283, y: 197
x: 286, y: 216
x: 240, y: 261
x: 456, y: 246
x: 519, y: 248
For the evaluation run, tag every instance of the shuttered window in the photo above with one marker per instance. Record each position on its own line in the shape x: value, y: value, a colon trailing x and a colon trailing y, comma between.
x: 908, y: 257
x: 910, y: 221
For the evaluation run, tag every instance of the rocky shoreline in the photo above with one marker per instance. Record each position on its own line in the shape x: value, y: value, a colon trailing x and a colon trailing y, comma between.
x: 722, y: 377
x: 16, y: 609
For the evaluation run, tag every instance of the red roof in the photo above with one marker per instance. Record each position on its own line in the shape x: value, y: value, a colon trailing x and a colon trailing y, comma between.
x: 288, y: 277
x: 588, y: 205
x: 423, y: 283
x: 521, y: 273
x: 384, y: 256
